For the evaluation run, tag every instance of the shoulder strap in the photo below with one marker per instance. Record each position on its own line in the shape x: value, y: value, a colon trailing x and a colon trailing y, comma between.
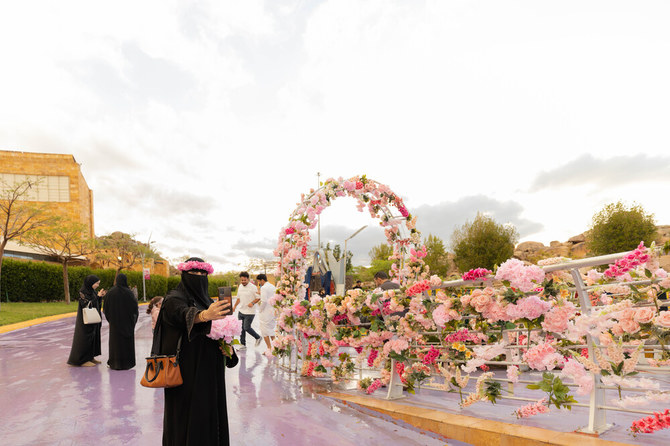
x: 158, y: 336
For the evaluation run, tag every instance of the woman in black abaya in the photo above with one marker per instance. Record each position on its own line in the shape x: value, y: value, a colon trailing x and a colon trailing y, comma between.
x: 195, y: 412
x: 86, y: 339
x: 121, y: 312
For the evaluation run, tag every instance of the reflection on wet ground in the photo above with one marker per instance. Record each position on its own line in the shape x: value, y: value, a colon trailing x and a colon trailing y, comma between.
x: 43, y: 401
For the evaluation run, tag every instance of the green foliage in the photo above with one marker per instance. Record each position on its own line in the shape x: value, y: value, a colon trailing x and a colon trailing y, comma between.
x: 14, y: 312
x: 557, y: 392
x: 618, y: 228
x: 493, y: 391
x: 436, y: 259
x: 31, y: 281
x: 483, y: 243
x: 24, y: 281
x: 381, y: 252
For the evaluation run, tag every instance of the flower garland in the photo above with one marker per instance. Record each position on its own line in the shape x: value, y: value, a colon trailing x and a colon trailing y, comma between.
x: 650, y: 424
x: 187, y: 266
x: 477, y: 273
x: 629, y: 262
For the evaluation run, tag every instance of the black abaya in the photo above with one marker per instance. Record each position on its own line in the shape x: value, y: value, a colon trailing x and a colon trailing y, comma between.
x: 195, y: 412
x: 121, y: 312
x: 86, y: 339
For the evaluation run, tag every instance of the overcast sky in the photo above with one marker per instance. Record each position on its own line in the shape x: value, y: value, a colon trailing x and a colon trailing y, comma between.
x: 201, y: 123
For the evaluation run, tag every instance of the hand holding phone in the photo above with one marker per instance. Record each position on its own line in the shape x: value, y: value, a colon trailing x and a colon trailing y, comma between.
x: 225, y: 295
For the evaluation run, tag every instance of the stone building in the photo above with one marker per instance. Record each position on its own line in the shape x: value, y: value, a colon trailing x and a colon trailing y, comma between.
x: 61, y: 186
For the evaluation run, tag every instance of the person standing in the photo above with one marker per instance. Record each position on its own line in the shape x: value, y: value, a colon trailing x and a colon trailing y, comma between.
x: 86, y: 339
x: 195, y: 413
x: 266, y: 313
x: 121, y: 312
x: 247, y: 298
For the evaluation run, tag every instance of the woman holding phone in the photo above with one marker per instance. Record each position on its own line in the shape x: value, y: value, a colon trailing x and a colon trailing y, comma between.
x: 195, y: 412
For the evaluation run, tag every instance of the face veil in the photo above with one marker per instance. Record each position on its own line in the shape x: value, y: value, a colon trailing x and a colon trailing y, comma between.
x: 196, y: 286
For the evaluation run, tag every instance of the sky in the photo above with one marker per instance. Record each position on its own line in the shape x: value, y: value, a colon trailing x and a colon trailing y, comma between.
x: 200, y: 124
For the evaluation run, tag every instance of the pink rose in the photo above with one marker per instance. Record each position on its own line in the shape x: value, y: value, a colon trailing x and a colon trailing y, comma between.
x: 644, y: 315
x: 663, y: 319
x: 480, y: 301
x: 630, y: 326
x: 298, y: 309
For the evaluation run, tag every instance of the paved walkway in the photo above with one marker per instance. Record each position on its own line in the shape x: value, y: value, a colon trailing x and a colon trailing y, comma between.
x: 43, y: 401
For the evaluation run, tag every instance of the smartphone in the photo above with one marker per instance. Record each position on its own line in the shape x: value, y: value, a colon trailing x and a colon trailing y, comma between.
x: 225, y: 294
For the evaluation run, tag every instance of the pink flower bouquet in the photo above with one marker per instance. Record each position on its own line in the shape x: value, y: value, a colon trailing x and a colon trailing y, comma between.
x: 224, y: 330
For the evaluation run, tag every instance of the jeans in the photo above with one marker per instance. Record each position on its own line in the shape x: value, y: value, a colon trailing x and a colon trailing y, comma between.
x: 247, y: 319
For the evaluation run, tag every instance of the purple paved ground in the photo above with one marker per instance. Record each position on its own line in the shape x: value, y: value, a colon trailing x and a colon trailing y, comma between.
x: 43, y: 401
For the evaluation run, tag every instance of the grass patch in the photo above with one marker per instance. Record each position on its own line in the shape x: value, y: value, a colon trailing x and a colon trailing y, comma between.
x: 13, y: 312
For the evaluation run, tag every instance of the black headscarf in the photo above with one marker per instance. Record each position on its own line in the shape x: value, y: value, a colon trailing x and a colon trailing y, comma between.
x: 87, y: 287
x: 196, y: 287
x: 122, y: 280
x: 121, y: 307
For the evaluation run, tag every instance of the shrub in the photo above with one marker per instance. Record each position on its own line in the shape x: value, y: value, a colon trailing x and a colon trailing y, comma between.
x: 618, y: 228
x: 31, y: 281
x: 483, y: 243
x: 24, y: 281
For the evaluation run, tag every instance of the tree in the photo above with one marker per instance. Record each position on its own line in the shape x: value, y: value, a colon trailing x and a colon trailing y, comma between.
x: 483, y: 243
x: 64, y: 240
x: 381, y: 252
x: 436, y: 259
x: 122, y: 251
x: 617, y: 228
x: 18, y: 216
x: 258, y: 265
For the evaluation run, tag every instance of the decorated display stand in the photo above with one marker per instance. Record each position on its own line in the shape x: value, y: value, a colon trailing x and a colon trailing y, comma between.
x: 590, y: 333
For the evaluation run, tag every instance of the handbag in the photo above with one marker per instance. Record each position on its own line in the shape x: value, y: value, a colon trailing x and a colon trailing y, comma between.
x: 90, y: 315
x: 162, y: 370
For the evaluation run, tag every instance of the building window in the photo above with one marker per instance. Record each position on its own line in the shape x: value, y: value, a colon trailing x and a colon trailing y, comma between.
x: 48, y: 188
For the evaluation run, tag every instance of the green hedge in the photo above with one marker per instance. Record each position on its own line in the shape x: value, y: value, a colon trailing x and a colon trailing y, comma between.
x: 23, y: 281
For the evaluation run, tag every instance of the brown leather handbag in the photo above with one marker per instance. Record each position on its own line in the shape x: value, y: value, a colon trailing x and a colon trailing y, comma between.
x: 162, y: 370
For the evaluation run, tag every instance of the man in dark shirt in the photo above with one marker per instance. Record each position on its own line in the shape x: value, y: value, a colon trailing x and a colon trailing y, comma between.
x: 382, y: 281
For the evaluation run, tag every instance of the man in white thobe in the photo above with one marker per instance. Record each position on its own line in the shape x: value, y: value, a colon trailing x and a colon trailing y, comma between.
x: 266, y: 312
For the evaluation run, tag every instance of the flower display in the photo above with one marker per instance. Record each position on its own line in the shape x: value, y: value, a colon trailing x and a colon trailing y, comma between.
x: 543, y: 357
x: 633, y: 259
x: 225, y: 330
x: 532, y: 319
x: 521, y: 276
x: 532, y: 409
x: 648, y: 425
x: 477, y: 273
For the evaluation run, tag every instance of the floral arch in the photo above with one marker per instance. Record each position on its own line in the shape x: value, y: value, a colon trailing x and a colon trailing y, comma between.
x: 379, y: 200
x: 589, y: 328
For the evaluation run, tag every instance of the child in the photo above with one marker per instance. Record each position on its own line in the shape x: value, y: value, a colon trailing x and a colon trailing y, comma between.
x: 153, y: 308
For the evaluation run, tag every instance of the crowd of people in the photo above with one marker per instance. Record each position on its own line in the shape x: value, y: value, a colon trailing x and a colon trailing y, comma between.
x: 195, y: 412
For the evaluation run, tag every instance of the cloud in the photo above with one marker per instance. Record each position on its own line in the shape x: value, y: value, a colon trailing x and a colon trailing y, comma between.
x: 613, y: 171
x: 255, y: 248
x: 442, y: 219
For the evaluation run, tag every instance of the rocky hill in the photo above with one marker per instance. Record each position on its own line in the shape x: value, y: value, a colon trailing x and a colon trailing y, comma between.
x: 575, y: 248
